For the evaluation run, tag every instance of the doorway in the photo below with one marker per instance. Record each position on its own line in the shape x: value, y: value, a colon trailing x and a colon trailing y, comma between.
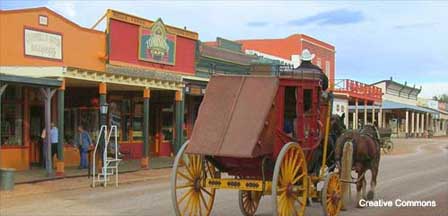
x: 36, y: 126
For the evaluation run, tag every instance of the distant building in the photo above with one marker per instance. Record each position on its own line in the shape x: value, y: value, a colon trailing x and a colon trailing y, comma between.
x: 401, y: 111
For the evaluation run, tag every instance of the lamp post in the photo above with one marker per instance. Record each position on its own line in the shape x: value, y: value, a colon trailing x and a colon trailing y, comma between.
x: 103, y: 121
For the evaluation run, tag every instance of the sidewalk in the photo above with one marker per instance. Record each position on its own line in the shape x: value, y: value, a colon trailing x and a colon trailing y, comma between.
x: 38, y: 174
x: 74, y: 183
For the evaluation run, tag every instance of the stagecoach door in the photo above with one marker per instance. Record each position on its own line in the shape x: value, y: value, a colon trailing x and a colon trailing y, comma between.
x: 299, y: 113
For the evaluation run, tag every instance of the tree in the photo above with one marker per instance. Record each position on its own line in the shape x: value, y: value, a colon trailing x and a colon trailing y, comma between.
x: 441, y: 98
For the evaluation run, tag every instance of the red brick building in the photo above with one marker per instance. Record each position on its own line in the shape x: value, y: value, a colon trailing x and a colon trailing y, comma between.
x: 291, y: 47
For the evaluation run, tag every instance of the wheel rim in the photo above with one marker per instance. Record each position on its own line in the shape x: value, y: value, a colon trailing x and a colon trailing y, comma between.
x: 249, y: 201
x: 188, y: 195
x: 290, y: 182
x: 332, y: 195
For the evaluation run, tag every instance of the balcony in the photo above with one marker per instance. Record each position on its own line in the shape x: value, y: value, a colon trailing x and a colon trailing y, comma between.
x: 358, y: 90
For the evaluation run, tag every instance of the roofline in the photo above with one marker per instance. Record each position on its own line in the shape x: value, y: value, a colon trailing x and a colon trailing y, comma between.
x: 301, y: 36
x: 54, y: 13
x: 397, y: 83
x: 34, y: 81
x: 169, y: 26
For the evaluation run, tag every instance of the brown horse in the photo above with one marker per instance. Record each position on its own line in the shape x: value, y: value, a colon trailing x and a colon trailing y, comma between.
x: 366, y: 156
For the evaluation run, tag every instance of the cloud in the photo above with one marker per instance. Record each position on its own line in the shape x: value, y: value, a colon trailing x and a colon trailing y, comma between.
x: 415, y: 25
x: 333, y: 17
x: 257, y: 24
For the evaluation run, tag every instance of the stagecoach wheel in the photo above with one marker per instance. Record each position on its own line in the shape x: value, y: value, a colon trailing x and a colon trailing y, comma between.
x: 249, y: 201
x: 188, y: 195
x: 290, y: 182
x: 332, y: 195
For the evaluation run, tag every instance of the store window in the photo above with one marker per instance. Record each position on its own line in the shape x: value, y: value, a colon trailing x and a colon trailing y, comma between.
x: 167, y: 121
x: 12, y: 117
x: 137, y: 120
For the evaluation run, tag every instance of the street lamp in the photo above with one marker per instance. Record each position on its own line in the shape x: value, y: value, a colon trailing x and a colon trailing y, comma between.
x: 103, y: 108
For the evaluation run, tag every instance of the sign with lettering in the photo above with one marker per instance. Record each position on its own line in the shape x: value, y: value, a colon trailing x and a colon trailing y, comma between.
x: 43, y: 44
x: 157, y: 45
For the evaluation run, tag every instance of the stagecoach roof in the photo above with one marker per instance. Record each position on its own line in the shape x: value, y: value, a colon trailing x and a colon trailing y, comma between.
x: 232, y: 116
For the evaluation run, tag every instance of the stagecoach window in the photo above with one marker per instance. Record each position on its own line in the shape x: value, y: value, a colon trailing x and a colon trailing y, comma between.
x: 290, y: 109
x: 307, y: 100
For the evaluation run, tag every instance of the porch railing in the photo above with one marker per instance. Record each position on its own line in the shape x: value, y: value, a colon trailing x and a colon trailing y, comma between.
x: 358, y: 89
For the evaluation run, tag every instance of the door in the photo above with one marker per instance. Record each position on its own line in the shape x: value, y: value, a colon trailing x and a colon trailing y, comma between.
x: 36, y: 126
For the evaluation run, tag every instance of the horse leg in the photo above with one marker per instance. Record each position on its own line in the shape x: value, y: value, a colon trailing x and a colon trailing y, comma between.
x: 364, y: 187
x: 371, y: 193
x: 360, y: 185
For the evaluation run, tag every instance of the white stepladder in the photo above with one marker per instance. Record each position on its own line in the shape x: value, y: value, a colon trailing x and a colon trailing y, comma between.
x: 110, y: 164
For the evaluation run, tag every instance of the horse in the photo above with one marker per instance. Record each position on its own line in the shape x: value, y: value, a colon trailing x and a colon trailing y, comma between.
x: 337, y: 127
x: 366, y: 156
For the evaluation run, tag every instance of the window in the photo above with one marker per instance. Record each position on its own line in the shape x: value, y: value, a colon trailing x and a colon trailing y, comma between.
x: 337, y: 108
x: 327, y: 68
x: 11, y: 115
x: 290, y: 112
x: 307, y: 100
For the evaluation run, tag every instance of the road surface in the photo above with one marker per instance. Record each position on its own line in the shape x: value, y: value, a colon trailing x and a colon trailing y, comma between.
x: 422, y: 175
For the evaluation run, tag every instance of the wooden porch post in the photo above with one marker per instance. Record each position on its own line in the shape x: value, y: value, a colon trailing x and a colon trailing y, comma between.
x: 60, y: 162
x: 417, y: 125
x: 407, y: 124
x: 356, y: 117
x: 48, y: 94
x: 365, y: 113
x: 179, y: 120
x: 2, y: 89
x: 145, y: 159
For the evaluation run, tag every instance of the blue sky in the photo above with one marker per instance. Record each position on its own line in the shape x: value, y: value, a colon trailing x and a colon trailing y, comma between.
x: 374, y: 40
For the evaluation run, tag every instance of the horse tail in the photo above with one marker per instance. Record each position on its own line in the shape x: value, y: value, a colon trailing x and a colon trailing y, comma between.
x: 340, y: 142
x: 346, y: 168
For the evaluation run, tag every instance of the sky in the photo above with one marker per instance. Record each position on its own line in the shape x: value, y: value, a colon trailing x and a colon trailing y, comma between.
x: 374, y: 40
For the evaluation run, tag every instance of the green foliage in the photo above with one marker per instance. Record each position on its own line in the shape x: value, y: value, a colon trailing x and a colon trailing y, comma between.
x: 441, y: 98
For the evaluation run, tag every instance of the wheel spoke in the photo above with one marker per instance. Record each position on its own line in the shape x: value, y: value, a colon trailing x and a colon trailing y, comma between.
x: 184, y: 176
x: 184, y: 186
x: 203, y: 201
x: 207, y: 192
x: 298, y: 178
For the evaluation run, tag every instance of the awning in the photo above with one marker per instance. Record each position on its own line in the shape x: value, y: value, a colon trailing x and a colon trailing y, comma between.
x: 392, y: 105
x: 29, y: 81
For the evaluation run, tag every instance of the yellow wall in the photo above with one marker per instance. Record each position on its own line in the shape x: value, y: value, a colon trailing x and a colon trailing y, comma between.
x: 81, y: 47
x: 17, y: 158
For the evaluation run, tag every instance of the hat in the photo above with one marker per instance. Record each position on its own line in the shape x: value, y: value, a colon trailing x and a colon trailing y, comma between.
x: 306, y: 55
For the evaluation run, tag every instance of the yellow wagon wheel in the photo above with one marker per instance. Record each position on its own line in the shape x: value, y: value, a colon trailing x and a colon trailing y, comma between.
x: 188, y: 194
x: 249, y: 201
x: 332, y: 195
x: 290, y: 182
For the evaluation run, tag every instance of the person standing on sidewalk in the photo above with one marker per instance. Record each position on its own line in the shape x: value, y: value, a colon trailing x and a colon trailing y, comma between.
x: 54, y: 138
x: 84, y: 143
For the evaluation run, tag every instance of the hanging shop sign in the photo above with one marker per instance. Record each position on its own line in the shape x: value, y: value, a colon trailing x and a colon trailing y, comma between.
x: 195, y: 90
x: 156, y: 44
x: 43, y: 44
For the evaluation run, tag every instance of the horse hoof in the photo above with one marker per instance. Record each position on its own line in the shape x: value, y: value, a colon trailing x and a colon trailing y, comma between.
x: 370, y: 195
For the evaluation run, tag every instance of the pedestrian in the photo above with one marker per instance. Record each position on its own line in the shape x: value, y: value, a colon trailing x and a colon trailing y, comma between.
x: 54, y: 139
x: 84, y: 143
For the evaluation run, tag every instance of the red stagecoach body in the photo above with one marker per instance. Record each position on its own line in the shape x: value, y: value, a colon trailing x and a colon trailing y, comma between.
x: 242, y: 119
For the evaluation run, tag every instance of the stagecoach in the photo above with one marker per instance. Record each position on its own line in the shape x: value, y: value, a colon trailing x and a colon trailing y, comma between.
x: 259, y: 135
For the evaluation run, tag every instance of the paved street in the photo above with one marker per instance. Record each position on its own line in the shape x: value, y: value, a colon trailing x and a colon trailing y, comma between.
x: 419, y: 171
